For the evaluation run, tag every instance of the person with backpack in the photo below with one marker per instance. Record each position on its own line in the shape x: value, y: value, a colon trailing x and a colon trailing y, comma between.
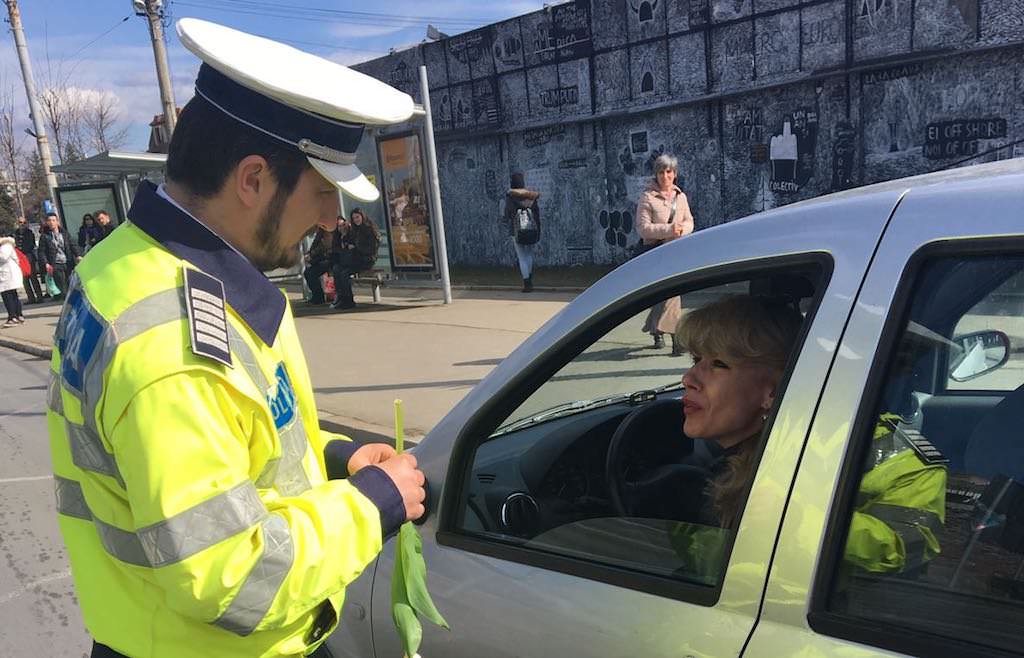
x: 10, y: 281
x: 522, y: 221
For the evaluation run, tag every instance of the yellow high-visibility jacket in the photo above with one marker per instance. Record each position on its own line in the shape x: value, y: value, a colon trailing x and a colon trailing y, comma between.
x: 901, y: 504
x: 192, y: 494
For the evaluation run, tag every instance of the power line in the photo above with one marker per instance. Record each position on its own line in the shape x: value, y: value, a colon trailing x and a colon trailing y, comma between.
x: 112, y: 28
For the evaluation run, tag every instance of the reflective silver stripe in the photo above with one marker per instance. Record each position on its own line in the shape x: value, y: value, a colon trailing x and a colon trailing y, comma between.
x: 174, y: 539
x: 246, y: 357
x: 291, y: 478
x: 70, y: 500
x: 121, y: 544
x: 54, y: 400
x: 257, y: 593
x: 890, y: 514
x: 88, y: 453
x: 202, y: 526
x: 248, y: 360
x: 286, y: 473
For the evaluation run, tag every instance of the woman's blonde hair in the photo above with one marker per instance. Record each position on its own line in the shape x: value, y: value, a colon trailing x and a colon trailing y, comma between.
x: 752, y: 330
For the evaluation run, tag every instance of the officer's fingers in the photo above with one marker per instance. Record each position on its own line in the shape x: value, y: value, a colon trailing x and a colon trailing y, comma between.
x: 410, y: 459
x: 420, y: 478
x: 414, y: 512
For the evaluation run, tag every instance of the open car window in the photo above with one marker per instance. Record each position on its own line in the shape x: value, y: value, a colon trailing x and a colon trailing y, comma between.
x: 593, y: 464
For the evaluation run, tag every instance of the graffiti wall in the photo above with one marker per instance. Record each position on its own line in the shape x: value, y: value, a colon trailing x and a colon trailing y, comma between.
x: 764, y: 102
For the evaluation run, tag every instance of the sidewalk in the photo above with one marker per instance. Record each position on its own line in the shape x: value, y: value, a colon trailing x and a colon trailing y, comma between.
x: 411, y: 346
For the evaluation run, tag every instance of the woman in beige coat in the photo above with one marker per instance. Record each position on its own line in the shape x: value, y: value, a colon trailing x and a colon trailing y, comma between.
x: 663, y: 215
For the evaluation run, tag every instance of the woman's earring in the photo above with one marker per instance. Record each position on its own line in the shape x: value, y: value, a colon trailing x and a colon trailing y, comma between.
x: 764, y: 417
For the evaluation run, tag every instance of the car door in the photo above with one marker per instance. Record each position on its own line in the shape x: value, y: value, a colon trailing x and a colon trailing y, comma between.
x: 936, y: 275
x: 506, y: 597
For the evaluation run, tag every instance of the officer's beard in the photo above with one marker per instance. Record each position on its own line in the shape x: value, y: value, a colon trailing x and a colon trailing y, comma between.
x: 272, y: 254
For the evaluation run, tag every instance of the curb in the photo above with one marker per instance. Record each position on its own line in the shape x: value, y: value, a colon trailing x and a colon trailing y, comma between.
x: 27, y: 347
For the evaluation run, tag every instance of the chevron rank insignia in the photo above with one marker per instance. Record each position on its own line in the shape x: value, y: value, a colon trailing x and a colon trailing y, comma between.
x: 207, y: 316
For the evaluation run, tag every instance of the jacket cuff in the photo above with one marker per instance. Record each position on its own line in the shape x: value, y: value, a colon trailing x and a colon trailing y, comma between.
x: 337, y: 453
x: 374, y: 483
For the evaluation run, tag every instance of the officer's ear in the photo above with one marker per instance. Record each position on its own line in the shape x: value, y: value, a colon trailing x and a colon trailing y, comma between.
x: 252, y: 181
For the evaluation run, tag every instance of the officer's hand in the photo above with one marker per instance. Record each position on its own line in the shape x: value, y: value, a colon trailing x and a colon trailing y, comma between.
x: 409, y: 480
x: 368, y: 455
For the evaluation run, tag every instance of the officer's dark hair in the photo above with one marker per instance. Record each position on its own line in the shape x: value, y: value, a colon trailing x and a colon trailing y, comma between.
x: 207, y: 145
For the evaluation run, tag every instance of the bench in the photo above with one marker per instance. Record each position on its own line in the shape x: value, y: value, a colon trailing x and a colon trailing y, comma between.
x: 374, y: 278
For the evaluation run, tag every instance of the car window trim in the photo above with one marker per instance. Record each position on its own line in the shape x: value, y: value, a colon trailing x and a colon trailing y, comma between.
x: 549, y: 362
x: 872, y: 632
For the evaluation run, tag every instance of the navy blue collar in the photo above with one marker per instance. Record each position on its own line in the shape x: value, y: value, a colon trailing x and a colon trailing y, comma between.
x: 252, y: 296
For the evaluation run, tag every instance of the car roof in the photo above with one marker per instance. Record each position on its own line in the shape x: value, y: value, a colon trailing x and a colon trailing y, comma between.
x: 959, y: 175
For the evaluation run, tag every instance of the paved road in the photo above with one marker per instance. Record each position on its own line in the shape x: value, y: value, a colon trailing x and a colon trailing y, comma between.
x: 38, y: 609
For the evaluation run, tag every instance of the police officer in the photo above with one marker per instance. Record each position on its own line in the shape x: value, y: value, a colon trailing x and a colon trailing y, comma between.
x: 191, y: 474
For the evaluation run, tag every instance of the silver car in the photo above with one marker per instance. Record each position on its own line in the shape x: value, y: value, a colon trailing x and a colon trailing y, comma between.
x: 550, y: 531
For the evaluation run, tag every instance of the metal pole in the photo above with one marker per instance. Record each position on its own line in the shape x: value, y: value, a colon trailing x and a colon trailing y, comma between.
x: 42, y: 143
x: 435, y: 188
x: 156, y: 32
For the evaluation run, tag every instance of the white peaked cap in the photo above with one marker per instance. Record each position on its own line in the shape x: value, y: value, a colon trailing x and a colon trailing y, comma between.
x: 314, y: 104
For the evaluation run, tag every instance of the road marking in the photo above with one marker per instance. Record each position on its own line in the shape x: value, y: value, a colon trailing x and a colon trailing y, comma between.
x: 10, y: 596
x: 32, y: 478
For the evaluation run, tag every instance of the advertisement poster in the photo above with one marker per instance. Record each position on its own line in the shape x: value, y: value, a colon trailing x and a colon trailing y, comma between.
x: 401, y: 162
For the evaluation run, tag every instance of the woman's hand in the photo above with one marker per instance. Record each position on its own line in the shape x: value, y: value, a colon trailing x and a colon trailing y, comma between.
x: 678, y: 229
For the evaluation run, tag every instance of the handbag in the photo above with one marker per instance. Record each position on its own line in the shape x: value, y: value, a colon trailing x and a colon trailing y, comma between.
x: 640, y: 247
x: 51, y: 286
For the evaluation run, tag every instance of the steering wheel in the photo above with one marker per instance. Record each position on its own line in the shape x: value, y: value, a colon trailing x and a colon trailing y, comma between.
x: 661, y: 420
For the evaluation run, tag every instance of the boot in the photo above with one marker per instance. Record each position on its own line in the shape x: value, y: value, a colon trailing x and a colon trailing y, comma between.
x: 528, y: 284
x: 659, y: 342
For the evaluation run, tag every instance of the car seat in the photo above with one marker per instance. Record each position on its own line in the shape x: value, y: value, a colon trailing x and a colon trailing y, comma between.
x: 996, y: 445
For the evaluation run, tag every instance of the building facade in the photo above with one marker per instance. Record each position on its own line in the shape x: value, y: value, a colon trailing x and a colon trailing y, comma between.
x: 764, y: 102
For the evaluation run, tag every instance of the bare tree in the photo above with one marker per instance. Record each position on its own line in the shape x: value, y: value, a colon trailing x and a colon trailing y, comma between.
x: 61, y: 106
x: 102, y: 120
x: 10, y: 144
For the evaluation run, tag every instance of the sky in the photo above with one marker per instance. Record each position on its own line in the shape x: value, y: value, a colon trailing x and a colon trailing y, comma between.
x: 101, y: 45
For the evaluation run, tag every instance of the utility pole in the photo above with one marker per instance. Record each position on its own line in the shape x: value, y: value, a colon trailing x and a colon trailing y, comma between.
x: 155, y: 17
x: 30, y: 89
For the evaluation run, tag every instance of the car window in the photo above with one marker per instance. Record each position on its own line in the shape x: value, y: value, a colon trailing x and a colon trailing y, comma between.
x: 1001, y: 310
x: 594, y: 465
x: 934, y: 539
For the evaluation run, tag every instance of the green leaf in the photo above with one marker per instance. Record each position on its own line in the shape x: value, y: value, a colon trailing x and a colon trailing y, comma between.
x: 414, y: 573
x: 410, y: 632
x: 409, y: 629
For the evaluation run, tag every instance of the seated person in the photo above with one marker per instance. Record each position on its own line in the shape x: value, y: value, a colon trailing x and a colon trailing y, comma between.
x: 740, y: 346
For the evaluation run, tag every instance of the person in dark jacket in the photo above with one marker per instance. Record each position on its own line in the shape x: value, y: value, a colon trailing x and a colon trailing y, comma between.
x: 89, y: 233
x: 522, y: 221
x: 354, y: 250
x: 318, y: 262
x: 57, y: 253
x: 104, y: 224
x: 25, y: 241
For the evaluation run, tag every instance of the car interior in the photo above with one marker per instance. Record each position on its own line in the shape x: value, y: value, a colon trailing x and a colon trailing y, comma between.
x: 964, y: 392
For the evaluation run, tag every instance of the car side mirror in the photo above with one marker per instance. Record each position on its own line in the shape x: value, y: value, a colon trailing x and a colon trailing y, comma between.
x: 978, y: 353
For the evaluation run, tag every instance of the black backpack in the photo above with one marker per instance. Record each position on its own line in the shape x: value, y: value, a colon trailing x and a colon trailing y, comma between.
x: 526, y: 229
